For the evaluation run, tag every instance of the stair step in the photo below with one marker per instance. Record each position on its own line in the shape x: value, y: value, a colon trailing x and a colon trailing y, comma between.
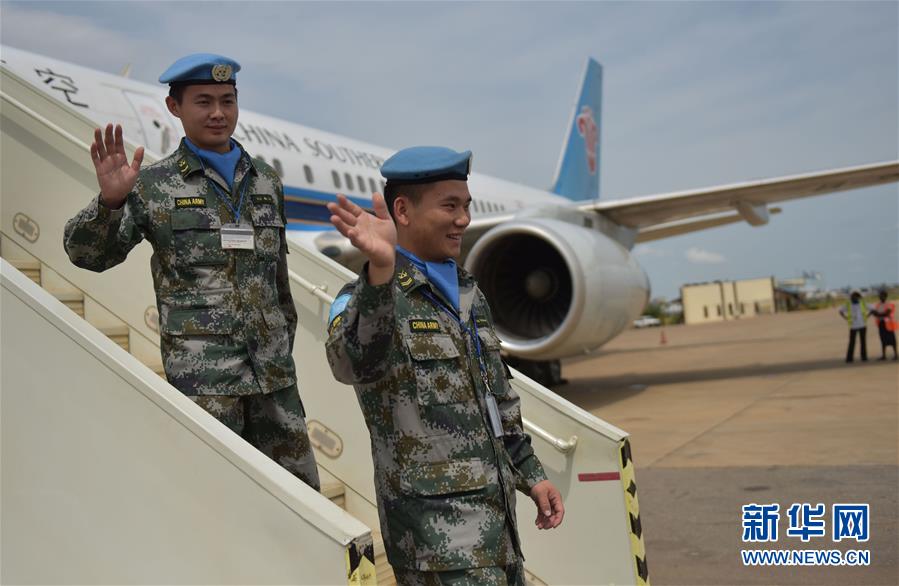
x: 336, y: 492
x: 30, y: 268
x: 532, y: 580
x: 158, y: 369
x: 71, y: 299
x: 382, y: 566
x: 118, y: 334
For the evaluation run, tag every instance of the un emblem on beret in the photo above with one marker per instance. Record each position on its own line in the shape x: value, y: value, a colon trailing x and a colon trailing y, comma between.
x: 221, y: 72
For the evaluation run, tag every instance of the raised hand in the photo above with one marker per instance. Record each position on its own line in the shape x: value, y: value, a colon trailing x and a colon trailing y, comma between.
x: 550, y: 509
x: 374, y: 235
x: 115, y: 176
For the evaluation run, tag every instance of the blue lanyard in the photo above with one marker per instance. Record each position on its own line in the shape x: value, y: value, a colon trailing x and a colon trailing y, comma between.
x: 227, y: 200
x: 472, y: 334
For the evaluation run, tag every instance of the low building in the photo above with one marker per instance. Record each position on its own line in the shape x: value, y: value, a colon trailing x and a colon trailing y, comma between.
x: 727, y: 300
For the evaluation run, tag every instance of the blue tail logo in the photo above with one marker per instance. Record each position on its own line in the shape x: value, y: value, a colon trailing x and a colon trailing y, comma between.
x: 577, y: 175
x: 589, y: 131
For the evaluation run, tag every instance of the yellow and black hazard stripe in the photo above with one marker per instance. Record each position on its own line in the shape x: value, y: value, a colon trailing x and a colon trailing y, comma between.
x: 629, y: 483
x: 360, y: 562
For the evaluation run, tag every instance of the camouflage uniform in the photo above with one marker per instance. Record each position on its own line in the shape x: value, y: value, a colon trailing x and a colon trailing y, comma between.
x: 445, y: 484
x: 227, y: 319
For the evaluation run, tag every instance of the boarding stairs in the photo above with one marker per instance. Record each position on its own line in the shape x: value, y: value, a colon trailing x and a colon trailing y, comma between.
x: 46, y: 178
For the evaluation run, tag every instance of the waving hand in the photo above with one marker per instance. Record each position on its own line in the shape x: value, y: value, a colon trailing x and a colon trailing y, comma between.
x: 373, y: 234
x: 115, y: 176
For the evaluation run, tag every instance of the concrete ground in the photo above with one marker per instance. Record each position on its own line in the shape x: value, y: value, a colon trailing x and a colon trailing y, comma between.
x: 762, y: 411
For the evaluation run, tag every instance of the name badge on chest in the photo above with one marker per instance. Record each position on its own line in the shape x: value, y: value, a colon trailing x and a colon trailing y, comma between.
x: 237, y: 237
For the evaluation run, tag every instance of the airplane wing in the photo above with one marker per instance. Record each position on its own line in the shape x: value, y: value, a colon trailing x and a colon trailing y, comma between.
x: 672, y: 214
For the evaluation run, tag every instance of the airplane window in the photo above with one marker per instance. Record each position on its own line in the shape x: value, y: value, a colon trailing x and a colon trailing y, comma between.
x: 349, y: 181
x: 308, y: 171
x: 335, y: 176
x: 371, y: 183
x: 279, y: 169
x: 383, y: 186
x: 361, y: 182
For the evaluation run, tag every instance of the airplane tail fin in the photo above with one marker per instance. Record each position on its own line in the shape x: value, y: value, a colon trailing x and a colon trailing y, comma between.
x: 577, y: 174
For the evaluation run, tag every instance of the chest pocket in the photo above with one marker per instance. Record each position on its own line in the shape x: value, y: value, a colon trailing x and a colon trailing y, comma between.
x: 440, y: 375
x: 267, y: 224
x: 497, y: 371
x: 197, y: 238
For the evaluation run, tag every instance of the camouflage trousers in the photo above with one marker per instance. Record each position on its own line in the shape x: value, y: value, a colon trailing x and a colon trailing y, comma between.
x: 512, y: 575
x: 273, y: 423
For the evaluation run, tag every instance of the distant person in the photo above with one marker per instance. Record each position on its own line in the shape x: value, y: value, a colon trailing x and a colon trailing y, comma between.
x: 415, y: 337
x: 885, y: 314
x: 215, y: 219
x: 855, y: 312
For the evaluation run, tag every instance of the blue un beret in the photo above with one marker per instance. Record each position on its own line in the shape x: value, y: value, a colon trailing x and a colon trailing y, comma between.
x: 427, y: 164
x: 201, y: 68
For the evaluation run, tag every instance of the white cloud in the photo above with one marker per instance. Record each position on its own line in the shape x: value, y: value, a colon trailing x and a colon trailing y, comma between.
x: 705, y: 257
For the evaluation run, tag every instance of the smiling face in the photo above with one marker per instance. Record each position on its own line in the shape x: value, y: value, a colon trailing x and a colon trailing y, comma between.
x: 208, y: 113
x: 431, y: 225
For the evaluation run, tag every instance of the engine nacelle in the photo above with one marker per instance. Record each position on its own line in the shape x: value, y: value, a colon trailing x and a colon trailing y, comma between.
x: 556, y: 289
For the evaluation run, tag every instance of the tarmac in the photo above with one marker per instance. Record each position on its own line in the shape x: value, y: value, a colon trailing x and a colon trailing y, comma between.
x: 761, y: 410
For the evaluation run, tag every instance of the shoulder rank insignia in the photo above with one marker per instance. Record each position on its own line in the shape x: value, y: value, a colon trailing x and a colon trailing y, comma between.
x: 183, y: 167
x: 404, y: 279
x: 424, y: 325
x: 334, y: 323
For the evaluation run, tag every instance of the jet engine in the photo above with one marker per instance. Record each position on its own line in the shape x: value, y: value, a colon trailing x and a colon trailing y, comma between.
x: 556, y: 289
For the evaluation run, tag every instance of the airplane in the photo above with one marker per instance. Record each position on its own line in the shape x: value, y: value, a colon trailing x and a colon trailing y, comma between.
x: 556, y: 265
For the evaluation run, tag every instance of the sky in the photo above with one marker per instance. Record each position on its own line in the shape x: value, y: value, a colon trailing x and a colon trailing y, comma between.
x: 694, y: 95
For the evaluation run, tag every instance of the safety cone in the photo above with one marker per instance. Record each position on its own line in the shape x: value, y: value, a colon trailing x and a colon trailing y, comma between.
x: 662, y: 338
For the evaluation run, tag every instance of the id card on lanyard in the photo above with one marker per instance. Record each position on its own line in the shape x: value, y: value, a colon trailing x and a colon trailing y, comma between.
x: 235, y: 236
x: 496, y: 422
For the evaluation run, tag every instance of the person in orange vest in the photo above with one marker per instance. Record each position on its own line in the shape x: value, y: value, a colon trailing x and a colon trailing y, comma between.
x: 855, y: 312
x: 885, y: 314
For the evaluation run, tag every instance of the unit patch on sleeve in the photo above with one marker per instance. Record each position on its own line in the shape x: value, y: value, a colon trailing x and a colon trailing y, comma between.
x: 424, y: 325
x: 190, y: 202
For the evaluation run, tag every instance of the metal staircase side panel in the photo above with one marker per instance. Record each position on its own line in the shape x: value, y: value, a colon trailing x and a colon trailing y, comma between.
x: 110, y: 475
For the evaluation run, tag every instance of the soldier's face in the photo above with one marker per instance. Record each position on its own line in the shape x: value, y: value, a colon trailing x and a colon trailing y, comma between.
x: 432, y: 227
x: 208, y: 114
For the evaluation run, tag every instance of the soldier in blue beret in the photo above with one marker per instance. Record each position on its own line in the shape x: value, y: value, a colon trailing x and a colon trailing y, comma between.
x: 415, y: 337
x: 215, y: 218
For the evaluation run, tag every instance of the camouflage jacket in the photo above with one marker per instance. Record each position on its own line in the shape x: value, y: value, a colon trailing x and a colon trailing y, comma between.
x: 445, y: 484
x: 226, y: 317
